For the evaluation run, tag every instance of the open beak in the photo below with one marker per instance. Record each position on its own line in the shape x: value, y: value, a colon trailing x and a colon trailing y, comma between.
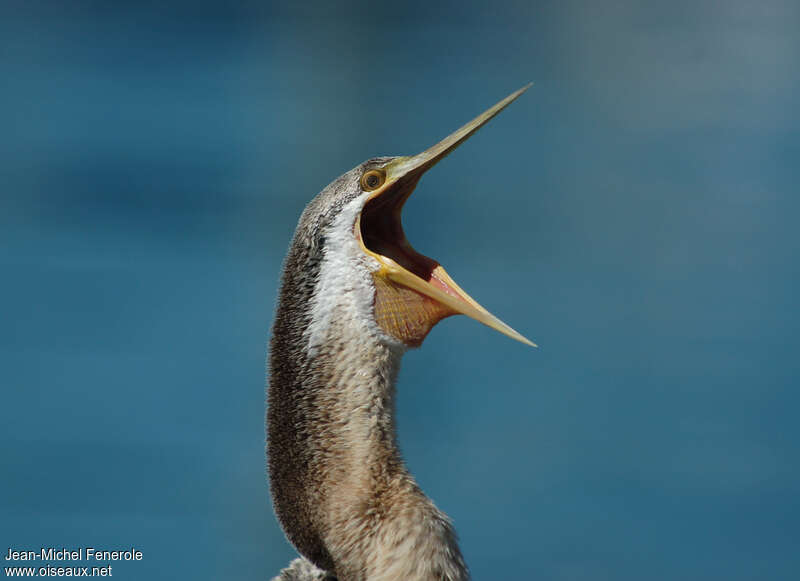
x: 434, y: 295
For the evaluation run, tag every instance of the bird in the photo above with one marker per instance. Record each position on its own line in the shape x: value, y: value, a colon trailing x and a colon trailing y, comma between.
x: 355, y: 296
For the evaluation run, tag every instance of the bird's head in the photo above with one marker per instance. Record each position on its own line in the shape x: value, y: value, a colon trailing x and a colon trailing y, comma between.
x: 364, y: 267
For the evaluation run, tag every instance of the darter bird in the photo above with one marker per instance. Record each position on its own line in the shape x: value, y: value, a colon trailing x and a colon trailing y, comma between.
x: 354, y: 296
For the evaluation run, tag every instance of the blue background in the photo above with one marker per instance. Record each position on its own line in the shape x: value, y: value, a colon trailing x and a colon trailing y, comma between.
x: 634, y: 213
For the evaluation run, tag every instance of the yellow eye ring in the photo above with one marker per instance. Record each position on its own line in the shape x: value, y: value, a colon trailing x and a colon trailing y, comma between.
x: 372, y: 180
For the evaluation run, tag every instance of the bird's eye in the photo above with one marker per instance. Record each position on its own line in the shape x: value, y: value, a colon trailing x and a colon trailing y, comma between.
x: 372, y: 180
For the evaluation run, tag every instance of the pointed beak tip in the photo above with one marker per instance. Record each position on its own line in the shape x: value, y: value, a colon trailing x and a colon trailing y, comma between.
x: 422, y: 162
x: 526, y: 341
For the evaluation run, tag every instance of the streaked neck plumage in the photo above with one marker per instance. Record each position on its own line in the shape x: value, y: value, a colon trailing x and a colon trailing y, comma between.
x: 339, y: 485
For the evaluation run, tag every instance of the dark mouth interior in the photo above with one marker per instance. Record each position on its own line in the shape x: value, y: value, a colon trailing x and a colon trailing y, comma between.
x: 382, y: 230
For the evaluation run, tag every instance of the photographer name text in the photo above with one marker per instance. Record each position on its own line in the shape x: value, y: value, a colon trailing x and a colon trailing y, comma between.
x: 79, y: 554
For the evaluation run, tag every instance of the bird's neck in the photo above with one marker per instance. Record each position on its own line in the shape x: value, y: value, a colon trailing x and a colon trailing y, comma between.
x: 339, y: 484
x: 381, y: 524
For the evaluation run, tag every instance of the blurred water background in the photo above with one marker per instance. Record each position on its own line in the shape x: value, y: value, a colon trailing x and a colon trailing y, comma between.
x: 634, y: 213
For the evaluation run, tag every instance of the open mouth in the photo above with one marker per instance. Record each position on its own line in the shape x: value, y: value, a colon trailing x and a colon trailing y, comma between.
x: 382, y: 233
x: 413, y: 292
x: 409, y: 286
